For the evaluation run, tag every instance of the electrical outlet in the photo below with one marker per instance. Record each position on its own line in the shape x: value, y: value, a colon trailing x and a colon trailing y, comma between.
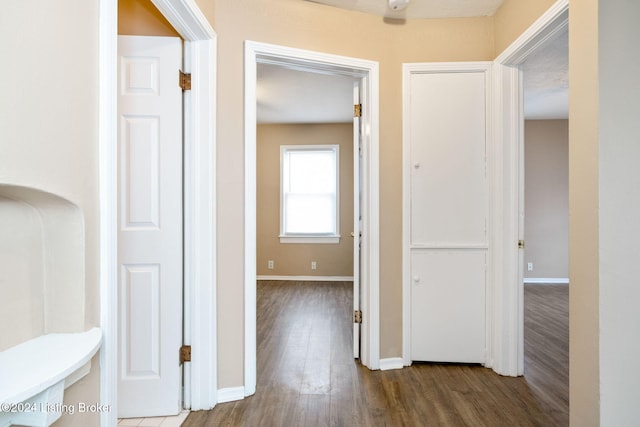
x: 270, y: 264
x: 313, y: 265
x: 529, y: 266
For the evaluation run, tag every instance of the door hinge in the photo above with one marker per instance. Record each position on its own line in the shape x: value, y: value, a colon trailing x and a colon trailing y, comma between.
x: 357, y: 110
x: 185, y: 81
x: 357, y: 316
x: 185, y: 353
x: 520, y: 244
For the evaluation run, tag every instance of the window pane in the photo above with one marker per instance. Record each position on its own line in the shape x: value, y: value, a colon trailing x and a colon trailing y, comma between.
x: 309, y: 190
x: 311, y: 171
x: 312, y: 214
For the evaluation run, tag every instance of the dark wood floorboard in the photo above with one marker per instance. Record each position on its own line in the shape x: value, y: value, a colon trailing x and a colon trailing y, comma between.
x: 546, y: 348
x: 307, y: 375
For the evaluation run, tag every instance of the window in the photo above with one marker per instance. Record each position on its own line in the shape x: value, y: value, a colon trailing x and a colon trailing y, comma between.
x: 309, y: 194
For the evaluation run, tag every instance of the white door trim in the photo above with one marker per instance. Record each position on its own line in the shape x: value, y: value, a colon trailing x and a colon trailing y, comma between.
x: 200, y: 206
x: 368, y: 71
x: 507, y: 343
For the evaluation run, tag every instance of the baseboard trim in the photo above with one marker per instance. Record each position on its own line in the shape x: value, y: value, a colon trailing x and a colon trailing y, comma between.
x: 309, y: 278
x: 230, y: 394
x: 391, y: 363
x: 546, y: 280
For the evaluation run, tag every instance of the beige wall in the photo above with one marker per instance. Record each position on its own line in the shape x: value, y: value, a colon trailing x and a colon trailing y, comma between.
x: 584, y: 262
x: 322, y: 28
x: 295, y: 259
x: 141, y: 18
x: 619, y: 208
x: 49, y: 132
x: 514, y: 17
x: 546, y: 228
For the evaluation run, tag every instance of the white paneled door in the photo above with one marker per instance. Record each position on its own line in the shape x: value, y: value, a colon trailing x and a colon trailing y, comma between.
x: 448, y: 311
x: 149, y: 226
x: 448, y: 249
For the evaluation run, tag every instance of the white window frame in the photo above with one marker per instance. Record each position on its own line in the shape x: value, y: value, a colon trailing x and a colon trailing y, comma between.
x: 324, y: 238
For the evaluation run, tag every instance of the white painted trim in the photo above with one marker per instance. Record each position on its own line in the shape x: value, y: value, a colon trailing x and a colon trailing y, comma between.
x: 186, y: 18
x: 408, y: 247
x: 368, y: 71
x: 555, y: 19
x: 370, y: 212
x: 505, y: 303
x: 546, y: 280
x: 200, y: 227
x: 507, y: 341
x: 200, y: 208
x: 406, y: 218
x: 391, y: 363
x: 308, y: 278
x: 230, y: 394
x: 107, y: 169
x: 310, y: 240
x: 250, y: 217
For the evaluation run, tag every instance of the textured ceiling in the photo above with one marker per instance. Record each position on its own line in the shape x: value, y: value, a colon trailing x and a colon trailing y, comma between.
x: 418, y: 9
x: 546, y: 80
x: 291, y: 96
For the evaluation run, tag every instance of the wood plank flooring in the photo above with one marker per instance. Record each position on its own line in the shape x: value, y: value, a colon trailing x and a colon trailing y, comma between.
x: 307, y: 376
x: 546, y: 348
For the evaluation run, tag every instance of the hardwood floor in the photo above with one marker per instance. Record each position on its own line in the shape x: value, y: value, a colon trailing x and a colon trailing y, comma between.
x: 546, y: 348
x: 307, y: 376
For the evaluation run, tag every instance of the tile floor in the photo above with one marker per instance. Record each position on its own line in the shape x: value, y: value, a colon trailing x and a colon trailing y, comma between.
x: 155, y: 421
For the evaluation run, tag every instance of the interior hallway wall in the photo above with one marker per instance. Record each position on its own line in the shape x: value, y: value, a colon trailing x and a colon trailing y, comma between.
x: 546, y: 228
x: 513, y: 18
x: 306, y: 25
x: 49, y: 136
x: 619, y: 213
x: 141, y: 18
x: 312, y: 26
x: 295, y: 259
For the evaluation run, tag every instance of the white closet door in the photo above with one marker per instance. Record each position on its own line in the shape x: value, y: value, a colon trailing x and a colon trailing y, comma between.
x: 448, y: 212
x: 150, y: 226
x: 448, y: 297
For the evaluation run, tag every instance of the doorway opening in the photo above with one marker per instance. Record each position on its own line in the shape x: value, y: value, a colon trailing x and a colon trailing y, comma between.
x: 308, y: 180
x: 546, y: 223
x: 306, y: 175
x: 366, y: 72
x: 507, y: 349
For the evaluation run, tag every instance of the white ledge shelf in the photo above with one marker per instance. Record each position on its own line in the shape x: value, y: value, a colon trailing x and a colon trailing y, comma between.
x: 34, y: 374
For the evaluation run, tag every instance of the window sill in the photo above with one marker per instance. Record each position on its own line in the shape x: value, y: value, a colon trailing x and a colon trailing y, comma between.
x: 326, y: 240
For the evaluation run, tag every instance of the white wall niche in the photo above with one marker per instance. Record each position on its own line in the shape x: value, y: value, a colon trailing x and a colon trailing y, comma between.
x: 42, y: 264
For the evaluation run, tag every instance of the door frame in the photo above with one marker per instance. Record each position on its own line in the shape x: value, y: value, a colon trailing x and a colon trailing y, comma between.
x: 507, y: 340
x: 199, y: 203
x: 321, y: 62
